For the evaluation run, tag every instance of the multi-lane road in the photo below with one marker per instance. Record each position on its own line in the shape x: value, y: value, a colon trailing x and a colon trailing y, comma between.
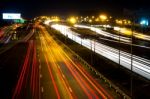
x: 63, y: 76
x: 15, y: 60
x: 135, y: 63
x: 122, y: 31
x: 43, y: 68
x: 6, y: 34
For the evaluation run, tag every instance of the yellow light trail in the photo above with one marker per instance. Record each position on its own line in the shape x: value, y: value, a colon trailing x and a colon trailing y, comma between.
x: 54, y: 54
x: 50, y: 58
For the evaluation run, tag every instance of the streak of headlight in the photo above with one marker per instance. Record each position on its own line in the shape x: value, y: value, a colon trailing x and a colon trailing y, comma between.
x: 99, y: 31
x: 140, y: 65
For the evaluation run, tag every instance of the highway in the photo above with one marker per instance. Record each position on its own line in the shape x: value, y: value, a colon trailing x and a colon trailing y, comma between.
x: 10, y: 64
x: 106, y: 34
x: 27, y: 85
x: 40, y: 67
x: 19, y: 68
x: 6, y: 34
x: 62, y: 76
x: 138, y: 65
x: 124, y: 31
x: 48, y: 70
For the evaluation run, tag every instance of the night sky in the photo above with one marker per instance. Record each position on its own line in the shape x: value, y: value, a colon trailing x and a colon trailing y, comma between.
x: 33, y: 8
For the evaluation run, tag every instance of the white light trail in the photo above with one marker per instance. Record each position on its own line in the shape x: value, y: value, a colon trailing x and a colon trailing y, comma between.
x: 140, y: 65
x: 135, y: 34
x: 107, y: 34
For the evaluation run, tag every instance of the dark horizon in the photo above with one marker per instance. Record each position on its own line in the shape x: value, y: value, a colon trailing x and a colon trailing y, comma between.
x: 33, y: 8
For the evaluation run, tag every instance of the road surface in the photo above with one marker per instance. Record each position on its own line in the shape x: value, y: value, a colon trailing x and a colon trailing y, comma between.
x: 62, y: 76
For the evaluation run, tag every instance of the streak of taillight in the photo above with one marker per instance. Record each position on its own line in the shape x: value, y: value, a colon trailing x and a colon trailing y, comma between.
x: 22, y: 75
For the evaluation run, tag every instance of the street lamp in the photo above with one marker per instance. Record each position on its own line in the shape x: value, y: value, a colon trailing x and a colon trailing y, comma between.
x: 72, y: 20
x: 103, y: 17
x: 90, y: 21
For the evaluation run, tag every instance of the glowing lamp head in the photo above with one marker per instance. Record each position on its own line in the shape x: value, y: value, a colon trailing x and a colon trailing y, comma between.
x: 72, y: 20
x: 90, y: 21
x: 103, y: 17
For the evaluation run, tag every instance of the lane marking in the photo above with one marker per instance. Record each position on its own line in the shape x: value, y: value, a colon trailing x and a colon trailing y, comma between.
x: 70, y: 89
x: 41, y: 76
x: 39, y: 66
x: 42, y: 89
x: 63, y: 75
x: 39, y: 60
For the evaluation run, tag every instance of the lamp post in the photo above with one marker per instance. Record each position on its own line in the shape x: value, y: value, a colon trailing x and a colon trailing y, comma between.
x: 103, y: 18
x: 81, y: 41
x: 94, y: 46
x: 132, y: 28
x: 72, y: 21
x: 119, y: 46
x: 91, y: 52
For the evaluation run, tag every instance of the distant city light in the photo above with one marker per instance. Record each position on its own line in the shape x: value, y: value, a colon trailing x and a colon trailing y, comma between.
x: 144, y: 22
x: 56, y: 20
x: 11, y: 16
x: 93, y: 17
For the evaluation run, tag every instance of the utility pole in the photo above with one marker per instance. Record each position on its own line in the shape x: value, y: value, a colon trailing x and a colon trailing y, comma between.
x: 132, y: 28
x: 119, y: 46
x: 91, y: 53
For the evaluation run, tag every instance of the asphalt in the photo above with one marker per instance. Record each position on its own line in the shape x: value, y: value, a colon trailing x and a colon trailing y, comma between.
x: 62, y: 76
x: 10, y: 64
